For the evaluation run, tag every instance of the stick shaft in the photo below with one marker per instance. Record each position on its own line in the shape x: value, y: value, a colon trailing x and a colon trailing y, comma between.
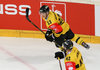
x: 60, y: 63
x: 27, y: 12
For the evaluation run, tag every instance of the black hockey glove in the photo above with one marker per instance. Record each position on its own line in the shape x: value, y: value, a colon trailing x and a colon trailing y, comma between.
x: 60, y: 55
x: 85, y: 45
x: 49, y: 36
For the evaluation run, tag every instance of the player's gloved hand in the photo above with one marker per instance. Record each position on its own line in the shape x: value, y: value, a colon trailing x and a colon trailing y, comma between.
x: 85, y: 45
x: 49, y: 36
x: 59, y: 54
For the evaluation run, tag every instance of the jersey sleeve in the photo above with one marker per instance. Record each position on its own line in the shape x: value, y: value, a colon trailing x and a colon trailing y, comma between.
x: 70, y: 65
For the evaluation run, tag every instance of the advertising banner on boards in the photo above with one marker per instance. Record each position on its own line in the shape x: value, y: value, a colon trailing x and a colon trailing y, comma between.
x: 80, y: 17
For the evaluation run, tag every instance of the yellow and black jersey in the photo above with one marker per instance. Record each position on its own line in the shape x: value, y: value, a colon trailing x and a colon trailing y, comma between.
x: 76, y: 57
x: 62, y: 27
x: 55, y: 18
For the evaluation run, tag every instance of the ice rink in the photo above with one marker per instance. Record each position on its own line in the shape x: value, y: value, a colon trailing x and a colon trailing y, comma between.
x: 38, y: 54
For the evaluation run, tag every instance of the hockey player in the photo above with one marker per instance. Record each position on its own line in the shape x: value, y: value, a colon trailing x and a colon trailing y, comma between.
x: 73, y: 58
x: 57, y: 29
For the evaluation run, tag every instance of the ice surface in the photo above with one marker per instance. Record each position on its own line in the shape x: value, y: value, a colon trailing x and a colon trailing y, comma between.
x: 38, y: 54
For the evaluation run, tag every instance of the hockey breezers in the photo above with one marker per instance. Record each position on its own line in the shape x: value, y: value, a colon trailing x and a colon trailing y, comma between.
x: 27, y: 16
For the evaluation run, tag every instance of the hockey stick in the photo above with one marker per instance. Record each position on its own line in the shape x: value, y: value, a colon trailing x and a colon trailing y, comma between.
x: 27, y: 12
x: 60, y: 63
x: 27, y: 16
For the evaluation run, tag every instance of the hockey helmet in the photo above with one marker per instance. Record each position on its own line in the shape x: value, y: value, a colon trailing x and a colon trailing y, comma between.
x: 44, y: 9
x: 68, y: 44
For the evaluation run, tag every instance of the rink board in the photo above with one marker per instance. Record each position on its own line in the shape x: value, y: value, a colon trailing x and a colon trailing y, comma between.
x: 38, y: 34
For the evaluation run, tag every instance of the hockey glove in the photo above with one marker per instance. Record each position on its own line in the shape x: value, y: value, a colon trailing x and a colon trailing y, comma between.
x: 60, y: 55
x: 49, y: 36
x: 85, y: 45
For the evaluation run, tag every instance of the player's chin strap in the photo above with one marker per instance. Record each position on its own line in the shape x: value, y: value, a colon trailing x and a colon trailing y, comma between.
x: 60, y: 63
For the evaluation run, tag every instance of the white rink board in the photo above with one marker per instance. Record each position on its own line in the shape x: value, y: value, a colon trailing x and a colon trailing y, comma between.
x: 97, y: 20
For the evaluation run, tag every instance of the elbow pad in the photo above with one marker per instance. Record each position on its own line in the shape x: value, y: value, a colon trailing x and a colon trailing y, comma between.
x: 56, y: 27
